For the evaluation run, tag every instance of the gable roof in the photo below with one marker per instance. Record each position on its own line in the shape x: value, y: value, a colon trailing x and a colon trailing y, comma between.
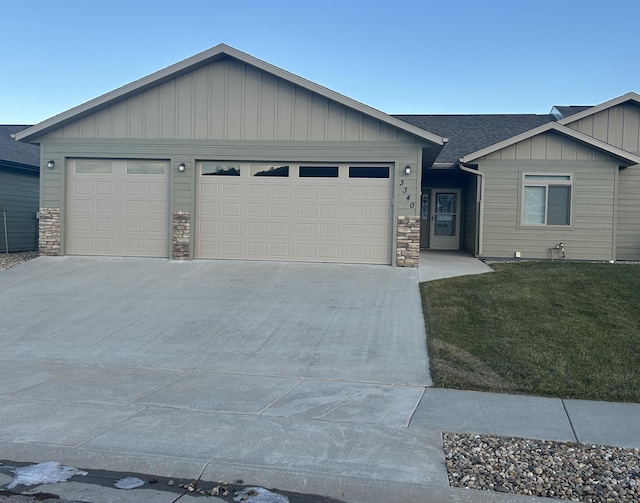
x: 558, y: 128
x: 17, y: 154
x: 469, y: 133
x: 633, y: 97
x: 202, y: 59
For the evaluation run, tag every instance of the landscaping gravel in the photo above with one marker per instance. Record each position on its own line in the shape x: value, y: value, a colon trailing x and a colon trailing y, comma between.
x: 8, y: 260
x: 587, y: 473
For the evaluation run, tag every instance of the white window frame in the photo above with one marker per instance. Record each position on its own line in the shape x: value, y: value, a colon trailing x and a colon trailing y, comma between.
x: 546, y: 180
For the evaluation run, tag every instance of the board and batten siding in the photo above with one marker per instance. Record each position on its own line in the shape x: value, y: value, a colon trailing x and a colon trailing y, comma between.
x: 230, y: 100
x: 18, y: 207
x: 628, y: 222
x: 619, y: 126
x: 590, y: 236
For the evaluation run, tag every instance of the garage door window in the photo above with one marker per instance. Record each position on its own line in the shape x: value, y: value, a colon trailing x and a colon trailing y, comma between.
x: 368, y: 171
x: 93, y: 167
x: 318, y: 172
x: 146, y: 168
x: 221, y: 169
x: 269, y: 170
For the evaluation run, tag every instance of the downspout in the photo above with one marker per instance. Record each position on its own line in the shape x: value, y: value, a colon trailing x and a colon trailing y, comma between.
x: 6, y: 238
x: 480, y: 218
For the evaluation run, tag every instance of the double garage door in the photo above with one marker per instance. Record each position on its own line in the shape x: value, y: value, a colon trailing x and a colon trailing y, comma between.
x: 252, y: 211
x: 294, y: 212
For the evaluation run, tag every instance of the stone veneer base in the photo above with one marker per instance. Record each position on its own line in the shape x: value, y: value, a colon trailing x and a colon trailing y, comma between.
x: 49, y: 231
x: 408, y: 242
x: 181, y: 236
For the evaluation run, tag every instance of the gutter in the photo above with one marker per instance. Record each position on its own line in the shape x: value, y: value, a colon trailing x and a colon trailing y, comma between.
x: 480, y: 216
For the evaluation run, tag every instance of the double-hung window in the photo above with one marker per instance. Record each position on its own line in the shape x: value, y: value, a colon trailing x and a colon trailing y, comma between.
x: 546, y: 199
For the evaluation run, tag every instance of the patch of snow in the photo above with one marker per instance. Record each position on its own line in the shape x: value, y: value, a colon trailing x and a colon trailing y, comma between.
x: 48, y: 472
x: 260, y: 495
x: 129, y: 483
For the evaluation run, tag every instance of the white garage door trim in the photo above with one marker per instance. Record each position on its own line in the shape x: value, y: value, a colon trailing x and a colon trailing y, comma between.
x: 331, y: 212
x: 118, y: 207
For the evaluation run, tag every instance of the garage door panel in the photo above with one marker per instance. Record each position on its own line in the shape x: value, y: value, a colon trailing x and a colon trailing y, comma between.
x: 257, y: 249
x: 103, y: 206
x: 116, y: 213
x: 292, y: 218
x: 280, y: 210
x: 280, y: 191
x: 82, y: 205
x: 134, y: 189
x: 279, y: 250
x: 231, y: 209
x: 105, y: 188
x: 258, y: 191
x: 231, y: 248
x: 280, y: 229
x: 101, y: 225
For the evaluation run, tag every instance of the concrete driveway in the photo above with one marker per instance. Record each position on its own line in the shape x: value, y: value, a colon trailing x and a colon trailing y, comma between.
x: 274, y: 372
x: 319, y: 321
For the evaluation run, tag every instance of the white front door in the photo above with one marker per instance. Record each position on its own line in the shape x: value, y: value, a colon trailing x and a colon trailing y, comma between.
x: 445, y: 219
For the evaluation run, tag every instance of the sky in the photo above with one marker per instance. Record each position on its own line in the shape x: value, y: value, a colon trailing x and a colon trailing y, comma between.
x: 399, y: 56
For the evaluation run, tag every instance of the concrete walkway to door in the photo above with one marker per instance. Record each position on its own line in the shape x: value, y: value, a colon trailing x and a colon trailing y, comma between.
x: 435, y: 264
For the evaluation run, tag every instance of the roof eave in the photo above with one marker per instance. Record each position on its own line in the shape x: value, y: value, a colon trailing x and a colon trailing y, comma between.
x: 202, y: 59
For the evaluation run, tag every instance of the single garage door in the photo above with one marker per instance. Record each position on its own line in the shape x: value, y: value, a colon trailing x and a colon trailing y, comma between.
x: 294, y: 212
x: 118, y: 208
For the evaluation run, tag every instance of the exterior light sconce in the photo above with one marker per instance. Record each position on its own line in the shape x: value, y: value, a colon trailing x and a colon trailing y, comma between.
x: 407, y: 170
x: 181, y: 167
x: 51, y: 164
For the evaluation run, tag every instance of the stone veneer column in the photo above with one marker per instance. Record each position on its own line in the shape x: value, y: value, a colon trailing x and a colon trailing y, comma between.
x: 408, y: 242
x: 181, y: 235
x: 49, y: 231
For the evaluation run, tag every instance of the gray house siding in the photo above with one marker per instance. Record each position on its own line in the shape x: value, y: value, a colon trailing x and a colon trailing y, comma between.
x: 230, y: 100
x: 618, y: 126
x: 18, y: 207
x: 628, y: 214
x: 591, y: 233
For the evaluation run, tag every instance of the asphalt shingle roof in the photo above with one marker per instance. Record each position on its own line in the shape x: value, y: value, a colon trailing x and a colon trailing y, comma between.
x: 16, y: 151
x: 469, y: 133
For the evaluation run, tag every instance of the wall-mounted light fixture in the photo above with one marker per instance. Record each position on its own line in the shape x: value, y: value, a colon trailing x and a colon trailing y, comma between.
x: 407, y: 170
x: 181, y: 167
x: 51, y: 164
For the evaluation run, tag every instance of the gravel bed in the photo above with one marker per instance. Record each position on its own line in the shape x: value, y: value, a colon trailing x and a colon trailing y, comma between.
x: 8, y: 260
x: 577, y: 472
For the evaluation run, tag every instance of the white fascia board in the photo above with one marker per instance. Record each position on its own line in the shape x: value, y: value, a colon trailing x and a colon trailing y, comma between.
x: 202, y: 59
x: 558, y: 128
x: 602, y: 106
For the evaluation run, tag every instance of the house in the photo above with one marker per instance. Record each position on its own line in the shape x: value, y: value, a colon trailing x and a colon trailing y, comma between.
x: 19, y: 182
x: 225, y: 156
x: 541, y: 186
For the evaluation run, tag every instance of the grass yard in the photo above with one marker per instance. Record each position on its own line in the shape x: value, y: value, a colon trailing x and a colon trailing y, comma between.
x: 557, y: 329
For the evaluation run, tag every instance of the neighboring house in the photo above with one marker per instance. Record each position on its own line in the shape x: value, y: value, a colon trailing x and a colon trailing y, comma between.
x: 19, y: 182
x: 541, y: 186
x: 225, y: 156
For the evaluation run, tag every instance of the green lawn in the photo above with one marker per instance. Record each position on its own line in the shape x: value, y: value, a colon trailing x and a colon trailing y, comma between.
x: 559, y: 329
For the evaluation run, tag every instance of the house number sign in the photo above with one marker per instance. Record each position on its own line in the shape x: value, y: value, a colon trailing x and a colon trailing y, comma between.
x: 405, y: 189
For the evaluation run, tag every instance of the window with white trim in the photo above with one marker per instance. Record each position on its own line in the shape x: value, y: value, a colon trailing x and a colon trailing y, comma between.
x: 546, y: 199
